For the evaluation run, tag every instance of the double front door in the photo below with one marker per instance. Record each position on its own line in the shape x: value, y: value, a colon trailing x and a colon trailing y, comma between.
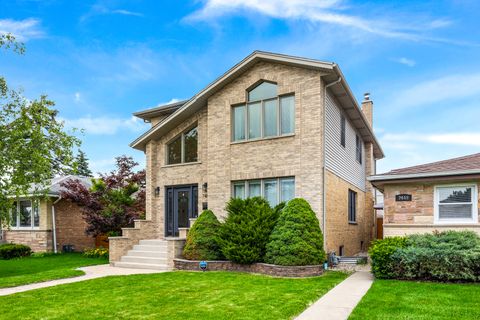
x: 181, y: 204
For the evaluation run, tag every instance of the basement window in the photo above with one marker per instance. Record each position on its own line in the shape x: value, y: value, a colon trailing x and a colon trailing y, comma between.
x: 456, y: 204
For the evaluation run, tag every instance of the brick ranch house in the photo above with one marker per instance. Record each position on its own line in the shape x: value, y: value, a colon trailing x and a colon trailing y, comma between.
x: 273, y: 125
x: 48, y: 224
x: 439, y: 196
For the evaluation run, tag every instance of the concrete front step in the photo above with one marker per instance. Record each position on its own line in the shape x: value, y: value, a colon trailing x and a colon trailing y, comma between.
x: 143, y: 247
x: 150, y: 254
x: 148, y: 260
x: 154, y: 242
x: 135, y: 265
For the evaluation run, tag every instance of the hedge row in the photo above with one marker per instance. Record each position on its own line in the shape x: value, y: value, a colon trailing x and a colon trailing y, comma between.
x: 255, y: 232
x: 11, y: 251
x: 444, y: 256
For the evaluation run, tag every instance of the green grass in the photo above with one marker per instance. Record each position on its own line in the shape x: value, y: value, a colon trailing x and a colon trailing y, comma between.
x: 22, y: 271
x: 172, y: 295
x: 392, y: 299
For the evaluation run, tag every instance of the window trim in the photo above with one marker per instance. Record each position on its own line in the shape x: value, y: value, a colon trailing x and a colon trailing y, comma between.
x: 32, y: 219
x: 262, y: 117
x: 436, y: 212
x: 182, y: 146
x: 352, y: 208
x: 262, y: 186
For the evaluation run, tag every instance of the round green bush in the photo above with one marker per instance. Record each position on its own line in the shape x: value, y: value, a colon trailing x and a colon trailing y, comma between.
x: 12, y: 250
x: 202, y: 238
x: 296, y: 239
x: 245, y: 233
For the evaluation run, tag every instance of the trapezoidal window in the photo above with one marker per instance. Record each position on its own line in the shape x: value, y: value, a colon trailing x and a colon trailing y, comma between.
x: 184, y: 148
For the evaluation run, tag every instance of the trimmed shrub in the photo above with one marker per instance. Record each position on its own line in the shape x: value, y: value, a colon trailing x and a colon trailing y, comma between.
x: 296, y: 239
x: 11, y: 251
x: 245, y: 233
x: 202, y: 239
x: 381, y: 253
x: 444, y: 256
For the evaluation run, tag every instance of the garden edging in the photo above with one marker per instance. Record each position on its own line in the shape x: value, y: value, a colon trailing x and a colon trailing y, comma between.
x: 261, y: 268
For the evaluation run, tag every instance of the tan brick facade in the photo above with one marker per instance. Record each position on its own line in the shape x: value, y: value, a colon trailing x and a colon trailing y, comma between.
x: 353, y: 237
x: 417, y: 216
x: 221, y: 161
x: 70, y: 227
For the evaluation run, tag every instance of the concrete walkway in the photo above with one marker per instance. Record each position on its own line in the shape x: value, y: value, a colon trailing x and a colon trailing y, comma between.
x: 92, y: 272
x: 339, y: 302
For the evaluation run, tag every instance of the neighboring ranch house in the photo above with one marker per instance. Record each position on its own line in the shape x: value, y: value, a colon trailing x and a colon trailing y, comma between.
x: 274, y: 126
x: 436, y: 196
x: 48, y: 223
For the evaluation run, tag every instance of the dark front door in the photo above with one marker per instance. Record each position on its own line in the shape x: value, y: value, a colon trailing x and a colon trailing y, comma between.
x: 181, y: 205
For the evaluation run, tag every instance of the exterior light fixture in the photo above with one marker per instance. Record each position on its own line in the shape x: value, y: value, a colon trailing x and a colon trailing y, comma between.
x: 205, y: 187
x: 157, y: 191
x: 203, y: 265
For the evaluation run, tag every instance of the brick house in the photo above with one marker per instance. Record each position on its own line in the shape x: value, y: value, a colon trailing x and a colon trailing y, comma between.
x: 273, y: 125
x: 47, y: 224
x: 438, y: 196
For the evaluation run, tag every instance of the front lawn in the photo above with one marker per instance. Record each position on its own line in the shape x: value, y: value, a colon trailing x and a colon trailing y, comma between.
x: 392, y: 299
x: 172, y: 295
x: 22, y: 271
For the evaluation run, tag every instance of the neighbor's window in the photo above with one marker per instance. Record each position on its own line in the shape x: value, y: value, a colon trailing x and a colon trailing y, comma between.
x: 456, y: 204
x: 274, y: 190
x: 264, y: 115
x: 342, y: 131
x: 358, y: 143
x: 352, y: 206
x: 184, y: 148
x: 25, y: 214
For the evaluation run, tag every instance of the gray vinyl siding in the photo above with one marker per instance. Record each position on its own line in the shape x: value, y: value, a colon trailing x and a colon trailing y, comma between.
x: 342, y: 160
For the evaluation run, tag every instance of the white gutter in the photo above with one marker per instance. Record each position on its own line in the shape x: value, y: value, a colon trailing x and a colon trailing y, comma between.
x: 54, y: 229
x: 324, y: 201
x: 422, y: 175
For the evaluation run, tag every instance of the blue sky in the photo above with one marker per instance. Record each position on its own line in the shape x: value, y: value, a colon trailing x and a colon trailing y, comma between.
x: 102, y: 60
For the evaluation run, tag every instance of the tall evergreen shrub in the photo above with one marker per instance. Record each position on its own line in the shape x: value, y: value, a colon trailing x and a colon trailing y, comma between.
x: 202, y: 239
x: 296, y: 239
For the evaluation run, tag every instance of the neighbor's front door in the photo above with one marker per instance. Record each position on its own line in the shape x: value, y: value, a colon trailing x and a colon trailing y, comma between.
x: 181, y: 205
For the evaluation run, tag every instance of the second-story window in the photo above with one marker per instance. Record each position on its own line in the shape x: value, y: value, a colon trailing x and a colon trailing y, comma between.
x: 342, y: 131
x: 359, y: 148
x: 184, y: 148
x: 264, y: 115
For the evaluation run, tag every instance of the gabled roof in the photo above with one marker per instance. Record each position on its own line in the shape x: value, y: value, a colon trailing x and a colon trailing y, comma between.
x: 54, y: 186
x: 461, y: 166
x: 159, y: 110
x: 339, y: 89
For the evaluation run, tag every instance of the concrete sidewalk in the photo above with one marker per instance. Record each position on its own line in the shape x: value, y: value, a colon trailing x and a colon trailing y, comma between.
x: 91, y: 272
x: 339, y: 302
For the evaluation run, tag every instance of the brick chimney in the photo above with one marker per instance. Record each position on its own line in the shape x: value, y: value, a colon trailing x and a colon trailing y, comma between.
x: 367, y: 108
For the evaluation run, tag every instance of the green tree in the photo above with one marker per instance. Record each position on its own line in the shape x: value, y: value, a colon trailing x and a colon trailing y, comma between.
x: 296, y: 239
x: 82, y: 167
x: 33, y: 144
x: 202, y: 238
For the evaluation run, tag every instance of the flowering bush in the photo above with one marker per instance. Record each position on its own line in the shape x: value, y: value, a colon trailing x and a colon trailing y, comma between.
x: 96, y: 253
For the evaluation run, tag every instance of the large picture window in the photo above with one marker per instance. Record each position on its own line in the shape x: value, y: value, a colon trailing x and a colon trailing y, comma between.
x: 25, y: 214
x: 184, y: 148
x: 274, y: 190
x: 264, y: 115
x: 456, y: 204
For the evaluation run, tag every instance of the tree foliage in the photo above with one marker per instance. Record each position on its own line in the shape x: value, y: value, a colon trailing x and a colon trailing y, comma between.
x: 296, y: 239
x: 246, y: 230
x: 33, y: 144
x: 113, y: 201
x: 82, y: 167
x: 202, y: 239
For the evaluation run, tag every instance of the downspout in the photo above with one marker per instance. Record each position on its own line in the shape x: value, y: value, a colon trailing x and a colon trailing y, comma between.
x: 324, y: 198
x: 54, y: 229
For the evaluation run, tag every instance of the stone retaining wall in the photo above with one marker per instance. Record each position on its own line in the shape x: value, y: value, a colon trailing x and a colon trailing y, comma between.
x: 262, y: 268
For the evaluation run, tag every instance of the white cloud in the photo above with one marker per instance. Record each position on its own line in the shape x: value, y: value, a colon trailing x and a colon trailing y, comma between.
x: 77, y: 97
x: 443, y: 89
x: 406, y: 61
x: 334, y: 12
x: 23, y: 30
x: 411, y: 140
x: 127, y: 13
x: 105, y: 125
x: 98, y: 9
